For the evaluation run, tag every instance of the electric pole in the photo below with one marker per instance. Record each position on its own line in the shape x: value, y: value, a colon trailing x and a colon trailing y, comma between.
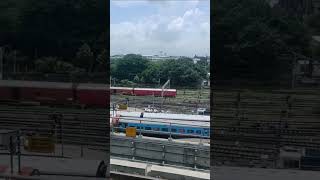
x: 1, y: 63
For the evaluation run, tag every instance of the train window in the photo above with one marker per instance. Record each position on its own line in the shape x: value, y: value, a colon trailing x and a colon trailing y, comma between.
x: 138, y: 127
x: 190, y: 131
x: 156, y: 129
x: 198, y: 131
x: 206, y: 132
x: 148, y: 128
x: 125, y: 124
x: 181, y: 130
x: 165, y: 129
x: 173, y: 130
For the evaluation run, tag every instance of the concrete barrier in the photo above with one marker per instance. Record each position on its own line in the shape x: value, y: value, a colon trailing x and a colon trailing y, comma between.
x: 157, y: 171
x: 161, y: 151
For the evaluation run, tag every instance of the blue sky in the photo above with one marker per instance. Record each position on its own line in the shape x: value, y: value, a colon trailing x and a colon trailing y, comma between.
x: 180, y: 27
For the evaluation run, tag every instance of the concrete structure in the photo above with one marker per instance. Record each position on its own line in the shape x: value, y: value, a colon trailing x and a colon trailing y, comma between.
x: 290, y: 157
x: 173, y: 152
x: 230, y: 173
x: 152, y: 170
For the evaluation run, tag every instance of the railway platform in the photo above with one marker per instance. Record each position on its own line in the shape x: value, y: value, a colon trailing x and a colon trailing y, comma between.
x: 235, y: 173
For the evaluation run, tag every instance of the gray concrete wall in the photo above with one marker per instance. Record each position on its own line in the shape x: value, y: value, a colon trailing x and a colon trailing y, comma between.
x: 161, y: 151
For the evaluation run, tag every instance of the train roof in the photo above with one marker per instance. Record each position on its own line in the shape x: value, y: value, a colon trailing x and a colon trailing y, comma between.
x: 155, y: 89
x: 53, y: 85
x: 165, y: 118
x: 92, y: 86
x: 126, y: 88
x: 166, y: 122
x: 145, y: 89
x: 35, y: 84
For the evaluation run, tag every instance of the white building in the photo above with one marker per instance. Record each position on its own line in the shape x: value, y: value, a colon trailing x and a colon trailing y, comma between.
x: 159, y: 58
x: 118, y: 56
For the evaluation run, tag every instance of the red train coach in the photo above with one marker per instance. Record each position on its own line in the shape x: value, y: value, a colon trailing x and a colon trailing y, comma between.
x: 55, y: 92
x: 122, y: 90
x: 93, y: 94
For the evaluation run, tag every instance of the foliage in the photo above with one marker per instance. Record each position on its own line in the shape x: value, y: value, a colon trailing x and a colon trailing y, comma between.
x: 44, y: 31
x: 84, y: 58
x: 252, y: 38
x: 130, y: 66
x: 127, y: 83
x: 102, y: 62
x: 53, y: 65
x: 314, y: 23
x: 181, y: 72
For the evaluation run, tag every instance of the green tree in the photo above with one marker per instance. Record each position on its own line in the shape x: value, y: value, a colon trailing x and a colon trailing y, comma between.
x: 181, y: 72
x: 46, y: 64
x: 152, y: 74
x: 130, y: 66
x: 102, y: 63
x: 84, y: 58
x: 314, y: 23
x: 252, y: 38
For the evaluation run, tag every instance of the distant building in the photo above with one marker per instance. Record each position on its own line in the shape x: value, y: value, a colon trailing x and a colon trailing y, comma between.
x: 159, y: 58
x: 196, y: 59
x: 117, y: 56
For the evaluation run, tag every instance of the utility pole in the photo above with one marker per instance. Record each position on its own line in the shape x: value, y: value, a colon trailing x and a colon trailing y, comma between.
x: 1, y: 63
x: 293, y: 72
x: 15, y: 61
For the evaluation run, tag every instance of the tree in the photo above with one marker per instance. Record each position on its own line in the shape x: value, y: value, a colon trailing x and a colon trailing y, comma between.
x: 252, y: 38
x: 181, y: 72
x: 314, y: 23
x: 152, y: 74
x: 102, y: 63
x: 53, y: 65
x: 58, y: 28
x: 84, y: 58
x: 130, y: 66
x: 46, y: 64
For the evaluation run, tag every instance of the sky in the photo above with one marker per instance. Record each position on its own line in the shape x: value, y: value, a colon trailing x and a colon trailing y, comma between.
x: 175, y: 27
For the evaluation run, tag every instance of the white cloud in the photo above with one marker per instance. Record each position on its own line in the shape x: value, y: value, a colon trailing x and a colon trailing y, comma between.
x: 177, y: 32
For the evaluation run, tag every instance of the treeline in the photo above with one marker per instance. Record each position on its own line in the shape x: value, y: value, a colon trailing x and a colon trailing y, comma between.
x: 54, y: 36
x: 134, y: 69
x: 255, y: 42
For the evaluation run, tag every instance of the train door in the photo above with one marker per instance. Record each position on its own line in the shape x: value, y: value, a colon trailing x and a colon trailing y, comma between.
x: 15, y: 93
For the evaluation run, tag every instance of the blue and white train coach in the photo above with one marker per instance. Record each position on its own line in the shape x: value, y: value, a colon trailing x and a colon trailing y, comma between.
x: 161, y: 124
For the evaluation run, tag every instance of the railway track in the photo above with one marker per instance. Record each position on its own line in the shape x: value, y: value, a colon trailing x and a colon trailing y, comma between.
x: 78, y: 126
x: 270, y: 119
